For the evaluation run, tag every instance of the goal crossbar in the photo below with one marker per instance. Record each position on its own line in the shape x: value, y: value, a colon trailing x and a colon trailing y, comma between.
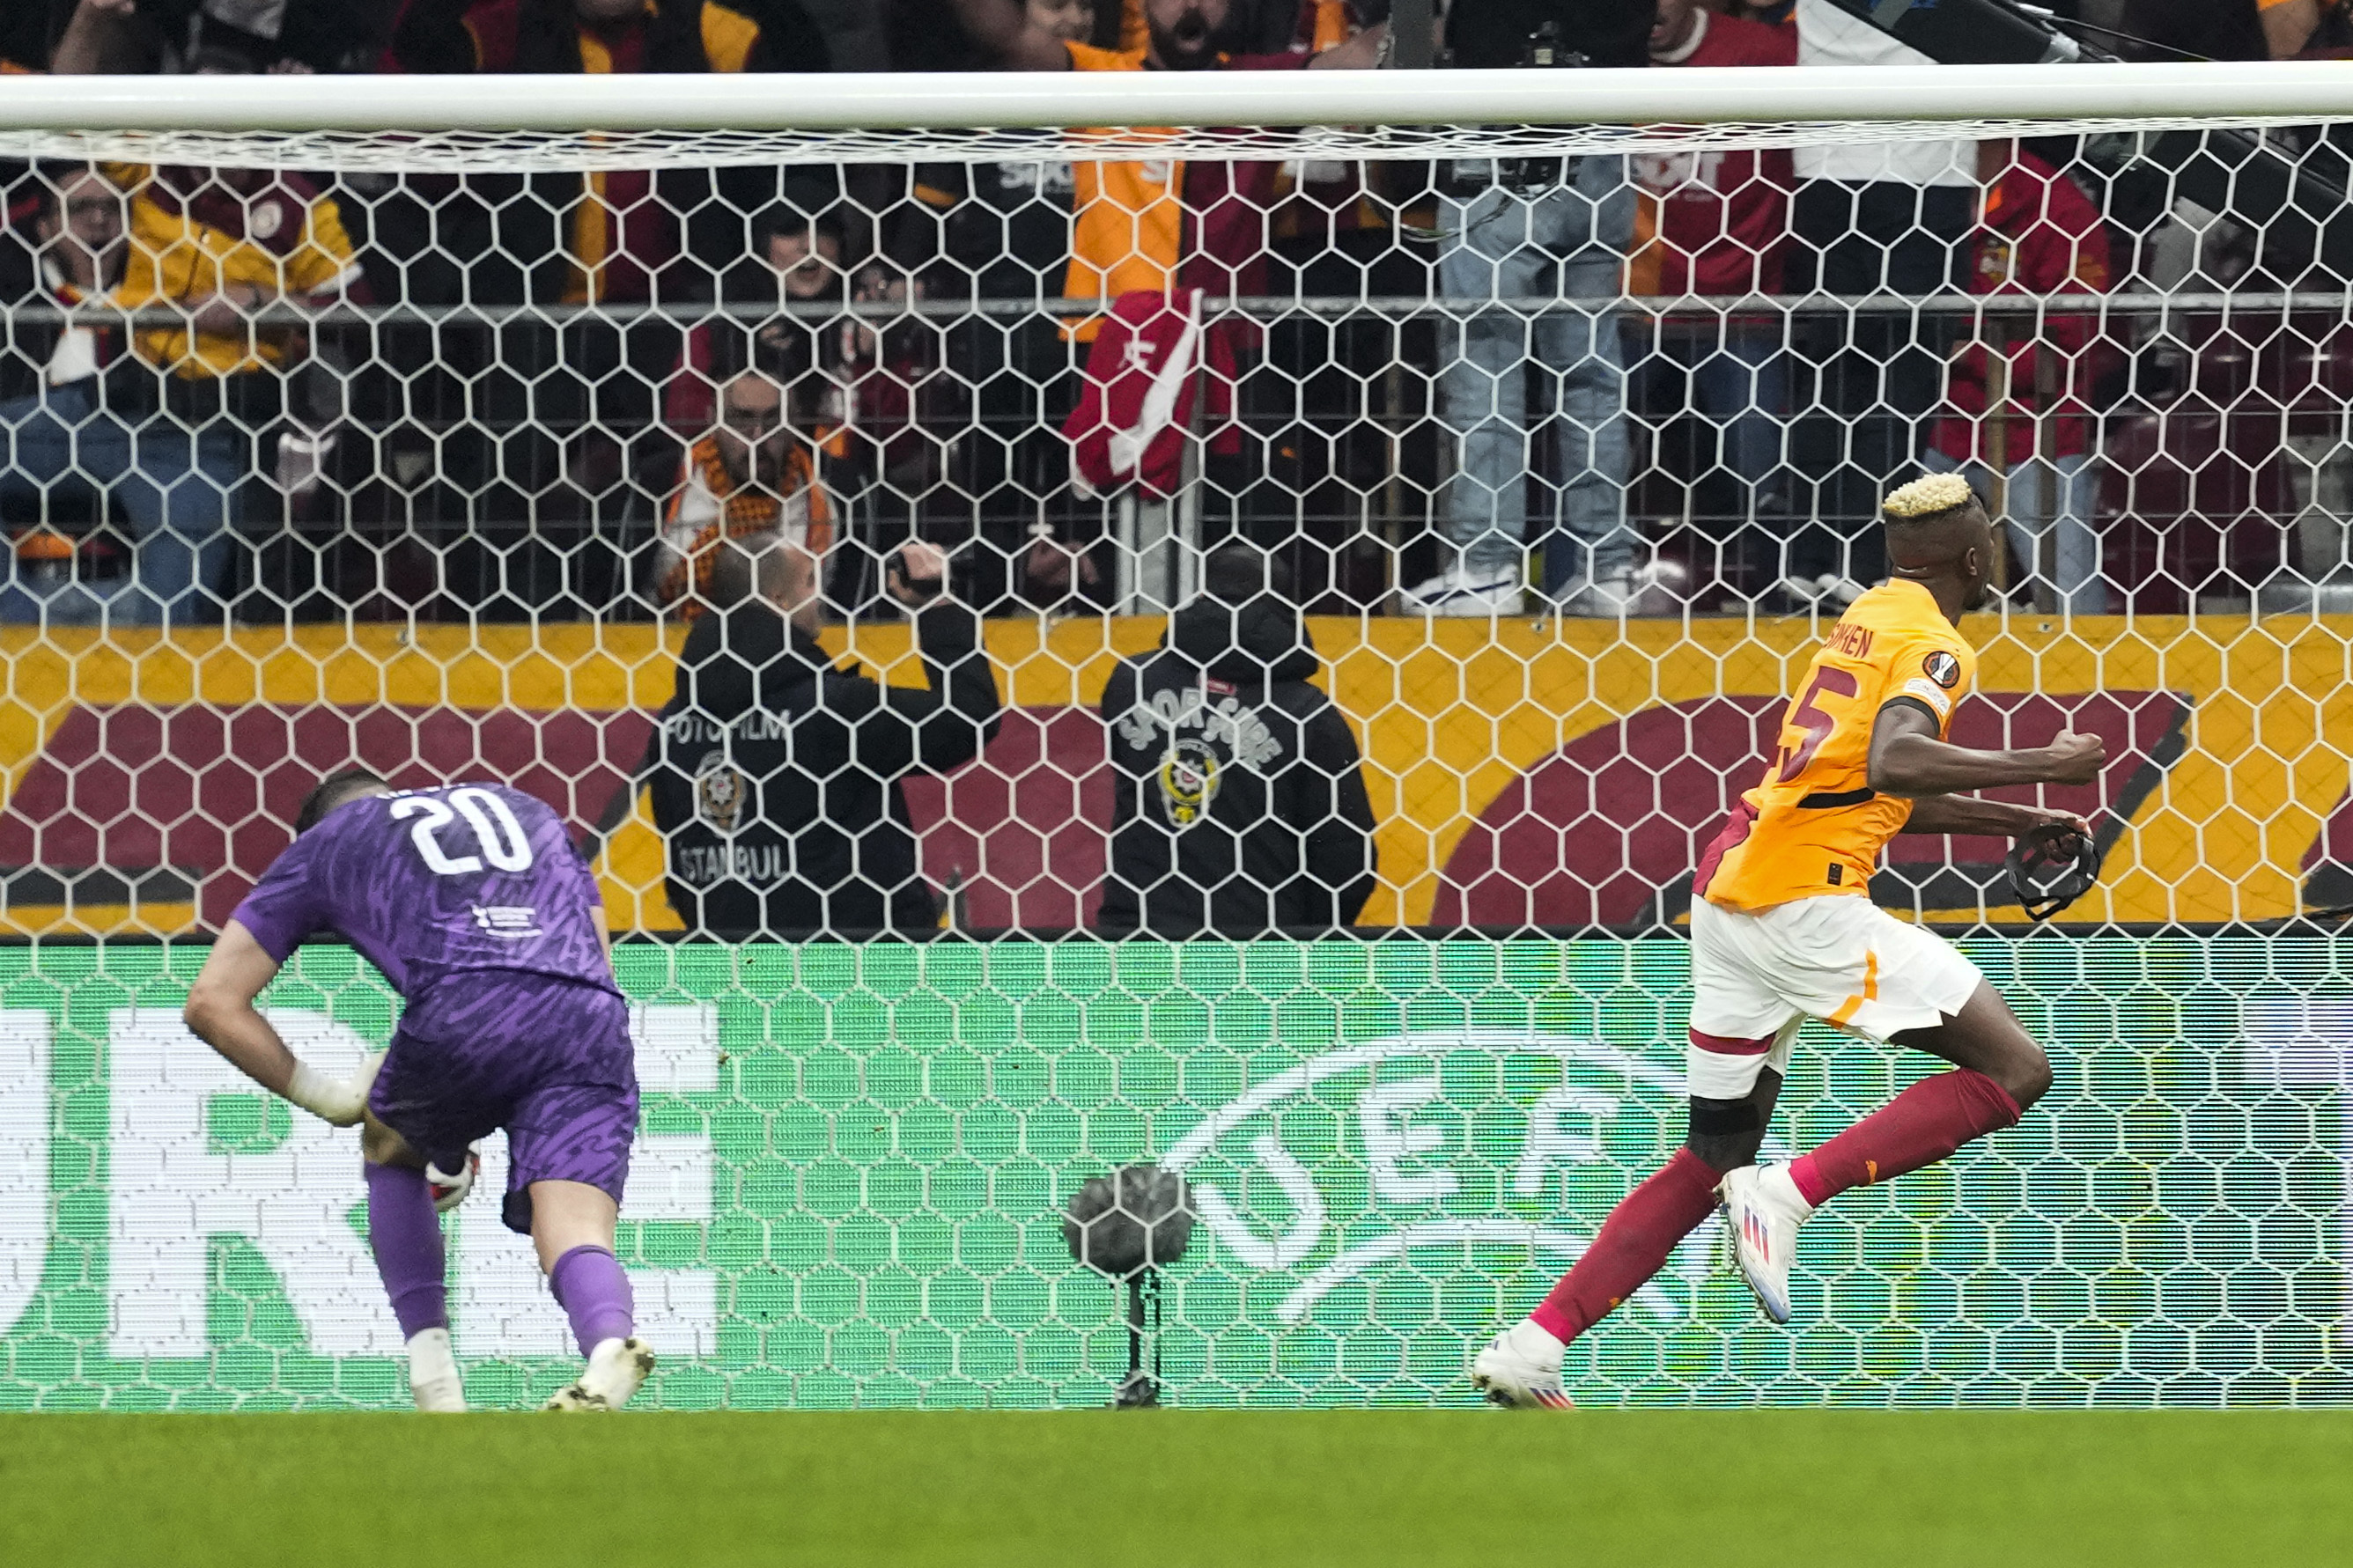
x: 1013, y: 100
x: 534, y: 123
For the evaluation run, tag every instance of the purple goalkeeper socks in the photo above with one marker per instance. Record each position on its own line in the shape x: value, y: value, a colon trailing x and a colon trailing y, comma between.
x: 588, y: 1282
x: 405, y: 1236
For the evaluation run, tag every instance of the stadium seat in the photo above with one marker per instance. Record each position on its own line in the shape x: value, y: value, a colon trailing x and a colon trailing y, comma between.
x: 2190, y: 502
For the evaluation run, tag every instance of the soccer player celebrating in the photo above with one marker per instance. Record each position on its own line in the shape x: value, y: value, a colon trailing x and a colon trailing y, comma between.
x: 1783, y: 929
x: 473, y: 903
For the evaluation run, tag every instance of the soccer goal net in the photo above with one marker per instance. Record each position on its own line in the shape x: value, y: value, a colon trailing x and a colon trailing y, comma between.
x: 1527, y: 430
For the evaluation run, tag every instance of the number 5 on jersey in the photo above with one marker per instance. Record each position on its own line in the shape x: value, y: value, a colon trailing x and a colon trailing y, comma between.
x: 1817, y: 724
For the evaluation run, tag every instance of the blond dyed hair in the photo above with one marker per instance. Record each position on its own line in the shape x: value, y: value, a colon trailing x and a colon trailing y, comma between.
x: 1931, y: 495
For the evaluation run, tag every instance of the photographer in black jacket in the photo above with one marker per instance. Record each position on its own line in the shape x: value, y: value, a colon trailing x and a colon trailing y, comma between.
x: 778, y: 789
x: 1238, y: 790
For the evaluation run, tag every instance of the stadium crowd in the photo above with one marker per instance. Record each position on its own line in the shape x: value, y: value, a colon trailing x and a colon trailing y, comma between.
x: 547, y: 395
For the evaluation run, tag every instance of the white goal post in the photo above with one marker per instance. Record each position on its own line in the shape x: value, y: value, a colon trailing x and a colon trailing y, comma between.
x: 623, y: 120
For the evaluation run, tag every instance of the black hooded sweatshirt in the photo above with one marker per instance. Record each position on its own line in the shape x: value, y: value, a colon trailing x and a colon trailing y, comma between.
x: 777, y: 787
x: 1238, y: 790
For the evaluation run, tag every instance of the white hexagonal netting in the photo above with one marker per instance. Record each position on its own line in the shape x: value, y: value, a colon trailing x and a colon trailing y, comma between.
x: 1539, y: 458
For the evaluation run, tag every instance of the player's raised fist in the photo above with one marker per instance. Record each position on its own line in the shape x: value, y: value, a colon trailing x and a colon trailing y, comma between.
x: 2076, y: 759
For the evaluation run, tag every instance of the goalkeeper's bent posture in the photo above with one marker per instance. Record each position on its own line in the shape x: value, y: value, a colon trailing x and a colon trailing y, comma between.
x: 472, y: 901
x: 1783, y: 929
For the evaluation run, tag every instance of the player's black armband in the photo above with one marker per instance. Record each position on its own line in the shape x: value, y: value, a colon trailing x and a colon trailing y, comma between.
x: 1934, y: 717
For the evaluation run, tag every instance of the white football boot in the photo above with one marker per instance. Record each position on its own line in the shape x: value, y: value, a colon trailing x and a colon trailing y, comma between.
x: 1762, y: 1212
x: 1520, y: 1369
x: 616, y: 1370
x: 433, y: 1379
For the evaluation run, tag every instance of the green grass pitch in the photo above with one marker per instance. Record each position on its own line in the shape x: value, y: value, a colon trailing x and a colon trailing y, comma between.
x: 1175, y: 1488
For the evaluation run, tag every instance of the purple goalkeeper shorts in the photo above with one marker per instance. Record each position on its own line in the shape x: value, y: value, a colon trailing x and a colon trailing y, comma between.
x: 550, y: 1060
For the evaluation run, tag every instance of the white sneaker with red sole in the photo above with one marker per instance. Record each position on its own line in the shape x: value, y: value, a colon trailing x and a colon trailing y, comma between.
x: 1762, y: 1212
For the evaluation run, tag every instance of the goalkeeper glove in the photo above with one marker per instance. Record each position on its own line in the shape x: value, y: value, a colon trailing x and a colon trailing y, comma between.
x: 338, y: 1101
x: 448, y: 1191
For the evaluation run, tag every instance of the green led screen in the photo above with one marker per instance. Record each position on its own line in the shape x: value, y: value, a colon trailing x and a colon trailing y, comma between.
x: 847, y: 1187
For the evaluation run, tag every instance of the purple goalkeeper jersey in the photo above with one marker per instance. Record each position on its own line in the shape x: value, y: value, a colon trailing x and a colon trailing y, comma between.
x: 430, y: 882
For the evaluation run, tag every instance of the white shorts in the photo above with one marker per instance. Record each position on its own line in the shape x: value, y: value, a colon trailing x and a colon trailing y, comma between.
x: 1756, y: 977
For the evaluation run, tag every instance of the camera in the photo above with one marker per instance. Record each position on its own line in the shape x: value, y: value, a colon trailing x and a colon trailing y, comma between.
x: 1508, y: 35
x: 1544, y: 35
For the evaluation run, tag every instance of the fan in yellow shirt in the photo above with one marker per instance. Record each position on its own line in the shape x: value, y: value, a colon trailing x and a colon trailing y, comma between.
x: 223, y: 244
x: 166, y: 432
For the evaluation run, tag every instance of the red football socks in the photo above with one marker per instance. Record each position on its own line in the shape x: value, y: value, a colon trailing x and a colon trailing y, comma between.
x: 1919, y: 1127
x: 1633, y: 1244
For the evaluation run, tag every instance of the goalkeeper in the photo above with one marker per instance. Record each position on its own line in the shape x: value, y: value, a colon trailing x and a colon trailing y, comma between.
x: 474, y: 904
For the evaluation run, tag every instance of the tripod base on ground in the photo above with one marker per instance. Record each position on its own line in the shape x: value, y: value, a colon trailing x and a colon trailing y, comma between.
x: 1140, y: 1390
